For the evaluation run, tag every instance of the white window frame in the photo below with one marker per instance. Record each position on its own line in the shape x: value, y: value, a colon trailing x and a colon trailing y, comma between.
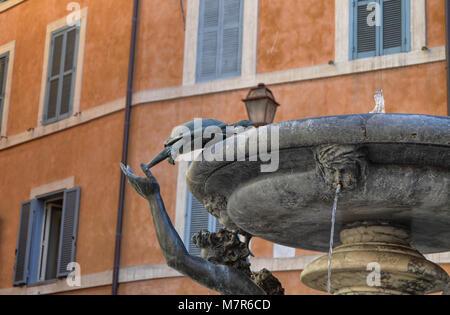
x: 280, y: 251
x: 342, y: 30
x: 48, y: 211
x: 9, y: 49
x: 249, y: 43
x: 52, y: 27
x: 9, y: 4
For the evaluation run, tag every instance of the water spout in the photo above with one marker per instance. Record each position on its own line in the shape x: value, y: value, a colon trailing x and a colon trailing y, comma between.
x: 333, y: 221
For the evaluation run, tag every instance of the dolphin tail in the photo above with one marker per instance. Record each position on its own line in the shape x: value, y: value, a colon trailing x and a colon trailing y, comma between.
x: 159, y: 158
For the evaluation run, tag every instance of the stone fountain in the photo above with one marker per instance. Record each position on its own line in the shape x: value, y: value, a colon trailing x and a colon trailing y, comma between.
x: 394, y: 205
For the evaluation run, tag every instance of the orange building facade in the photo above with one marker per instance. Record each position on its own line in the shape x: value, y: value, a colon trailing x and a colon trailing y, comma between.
x: 301, y: 49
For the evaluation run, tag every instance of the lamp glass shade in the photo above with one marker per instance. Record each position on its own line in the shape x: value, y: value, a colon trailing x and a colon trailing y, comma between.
x: 271, y: 109
x: 257, y: 111
x: 261, y: 105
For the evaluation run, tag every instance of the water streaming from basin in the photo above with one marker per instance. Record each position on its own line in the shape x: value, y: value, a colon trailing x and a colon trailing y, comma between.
x: 333, y: 221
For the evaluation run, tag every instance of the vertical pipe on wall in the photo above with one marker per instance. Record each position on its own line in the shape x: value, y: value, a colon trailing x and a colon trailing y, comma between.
x: 126, y: 133
x: 447, y: 29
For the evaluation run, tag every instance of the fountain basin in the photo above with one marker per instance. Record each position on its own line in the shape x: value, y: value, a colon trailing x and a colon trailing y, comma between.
x: 407, y: 183
x: 394, y: 169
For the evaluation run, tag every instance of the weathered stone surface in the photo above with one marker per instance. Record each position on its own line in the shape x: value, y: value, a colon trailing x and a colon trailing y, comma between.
x: 407, y: 182
x: 339, y: 164
x: 375, y: 260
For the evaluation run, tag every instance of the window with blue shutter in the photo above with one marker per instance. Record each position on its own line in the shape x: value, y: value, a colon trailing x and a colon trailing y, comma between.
x: 23, y: 248
x: 3, y: 73
x: 219, y: 53
x: 61, y: 75
x: 197, y: 219
x: 379, y: 27
x: 69, y: 229
x: 47, y: 237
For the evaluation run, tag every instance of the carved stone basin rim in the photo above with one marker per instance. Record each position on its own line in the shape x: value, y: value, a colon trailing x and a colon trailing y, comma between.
x: 399, y: 174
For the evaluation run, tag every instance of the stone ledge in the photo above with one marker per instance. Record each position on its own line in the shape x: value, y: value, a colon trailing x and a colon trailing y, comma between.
x: 142, y: 273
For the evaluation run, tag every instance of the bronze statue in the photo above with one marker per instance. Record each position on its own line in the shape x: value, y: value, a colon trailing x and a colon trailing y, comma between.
x: 224, y: 265
x: 184, y: 136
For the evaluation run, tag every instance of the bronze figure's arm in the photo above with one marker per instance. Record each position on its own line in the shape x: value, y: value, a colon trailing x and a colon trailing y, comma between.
x: 224, y: 279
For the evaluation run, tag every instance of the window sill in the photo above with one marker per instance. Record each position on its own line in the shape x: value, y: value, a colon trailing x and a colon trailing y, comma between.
x: 416, y: 57
x: 9, y: 4
x: 143, y: 273
x: 56, y: 120
x: 352, y: 58
x: 41, y: 283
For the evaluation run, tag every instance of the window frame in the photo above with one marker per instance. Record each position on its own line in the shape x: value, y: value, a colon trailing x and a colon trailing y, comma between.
x: 33, y: 251
x: 379, y: 51
x: 58, y: 117
x: 7, y: 4
x: 219, y: 53
x: 45, y: 231
x: 213, y: 224
x: 3, y: 87
x: 9, y: 49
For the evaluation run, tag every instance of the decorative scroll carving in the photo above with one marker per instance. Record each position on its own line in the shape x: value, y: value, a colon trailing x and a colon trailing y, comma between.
x: 215, y: 204
x: 225, y: 248
x: 267, y: 281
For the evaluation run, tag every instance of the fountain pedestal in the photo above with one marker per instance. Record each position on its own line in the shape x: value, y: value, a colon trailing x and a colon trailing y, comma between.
x: 375, y: 260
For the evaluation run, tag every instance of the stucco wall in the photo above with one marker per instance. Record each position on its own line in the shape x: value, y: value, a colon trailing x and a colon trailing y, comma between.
x: 106, y: 54
x: 291, y: 34
x: 90, y: 153
x: 294, y: 34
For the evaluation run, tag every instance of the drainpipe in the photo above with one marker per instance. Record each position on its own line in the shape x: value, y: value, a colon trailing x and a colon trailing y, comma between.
x: 126, y: 133
x: 447, y: 28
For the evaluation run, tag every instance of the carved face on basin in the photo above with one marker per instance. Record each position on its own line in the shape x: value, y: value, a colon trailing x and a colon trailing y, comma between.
x: 347, y: 176
x: 341, y: 164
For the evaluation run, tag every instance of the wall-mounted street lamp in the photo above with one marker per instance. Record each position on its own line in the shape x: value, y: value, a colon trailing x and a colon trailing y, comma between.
x: 261, y: 105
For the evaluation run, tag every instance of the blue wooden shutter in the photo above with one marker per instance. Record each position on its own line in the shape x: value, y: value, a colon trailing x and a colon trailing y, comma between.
x: 395, y: 33
x: 69, y: 230
x: 3, y: 74
x: 392, y: 36
x: 231, y: 46
x: 21, y: 266
x: 36, y: 238
x: 219, y: 51
x: 364, y: 36
x: 61, y: 74
x: 197, y: 219
x: 208, y: 30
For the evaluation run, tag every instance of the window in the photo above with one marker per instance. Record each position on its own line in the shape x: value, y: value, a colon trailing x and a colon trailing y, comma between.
x: 3, y: 73
x: 197, y: 219
x: 47, y: 237
x: 61, y: 75
x: 49, y: 240
x: 379, y: 27
x: 219, y: 52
